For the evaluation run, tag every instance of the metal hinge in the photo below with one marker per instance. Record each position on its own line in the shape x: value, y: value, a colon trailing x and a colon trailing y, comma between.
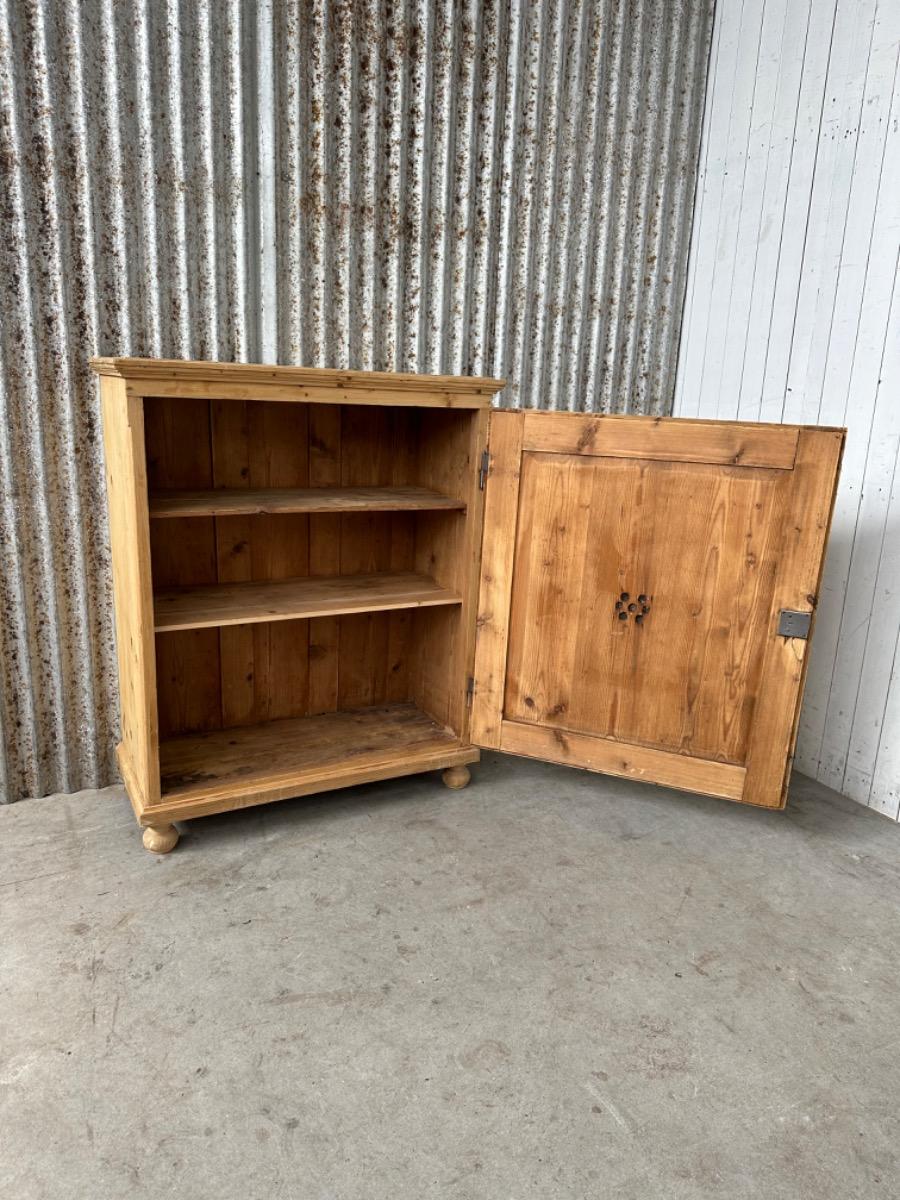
x: 484, y: 468
x: 794, y: 624
x: 470, y: 690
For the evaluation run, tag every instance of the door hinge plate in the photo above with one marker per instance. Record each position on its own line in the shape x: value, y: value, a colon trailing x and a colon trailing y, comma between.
x: 470, y: 690
x: 794, y: 624
x: 484, y: 468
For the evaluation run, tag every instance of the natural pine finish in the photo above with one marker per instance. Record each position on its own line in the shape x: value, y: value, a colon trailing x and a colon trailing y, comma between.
x: 160, y: 839
x: 804, y: 535
x: 497, y: 563
x: 632, y: 578
x: 311, y: 546
x: 313, y: 590
x: 126, y: 483
x: 254, y: 381
x: 251, y: 672
x: 248, y: 502
x: 613, y: 757
x: 456, y: 777
x: 234, y: 768
x: 700, y: 542
x: 728, y: 443
x: 289, y: 599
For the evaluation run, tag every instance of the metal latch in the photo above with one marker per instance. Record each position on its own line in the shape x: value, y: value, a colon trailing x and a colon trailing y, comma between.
x: 484, y: 468
x: 470, y: 690
x: 793, y: 624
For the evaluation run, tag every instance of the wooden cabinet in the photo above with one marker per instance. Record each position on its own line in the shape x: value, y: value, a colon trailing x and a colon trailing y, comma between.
x: 300, y: 573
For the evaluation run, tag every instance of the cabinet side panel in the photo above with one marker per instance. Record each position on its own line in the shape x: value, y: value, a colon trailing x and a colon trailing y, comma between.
x: 448, y: 548
x: 126, y: 482
x: 497, y: 555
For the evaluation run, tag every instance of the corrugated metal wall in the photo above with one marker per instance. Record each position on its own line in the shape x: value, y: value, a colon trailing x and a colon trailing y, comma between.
x: 498, y: 188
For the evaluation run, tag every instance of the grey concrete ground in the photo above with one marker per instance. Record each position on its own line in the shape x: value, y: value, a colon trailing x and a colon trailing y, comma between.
x: 548, y: 985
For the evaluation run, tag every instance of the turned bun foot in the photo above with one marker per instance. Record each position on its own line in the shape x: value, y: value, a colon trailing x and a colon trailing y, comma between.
x: 160, y: 839
x: 456, y: 777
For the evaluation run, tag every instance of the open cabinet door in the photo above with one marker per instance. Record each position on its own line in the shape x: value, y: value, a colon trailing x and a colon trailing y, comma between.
x: 647, y: 594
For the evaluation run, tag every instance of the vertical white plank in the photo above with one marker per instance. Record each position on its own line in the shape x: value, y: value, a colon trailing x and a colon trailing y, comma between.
x: 779, y: 138
x: 873, y: 187
x: 865, y: 303
x: 885, y: 793
x: 797, y: 211
x: 856, y: 326
x: 789, y: 316
x: 871, y: 746
x: 751, y: 178
x: 829, y: 206
x: 732, y: 164
x: 725, y: 48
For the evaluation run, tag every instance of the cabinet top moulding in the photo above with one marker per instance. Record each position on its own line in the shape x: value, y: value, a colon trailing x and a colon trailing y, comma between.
x: 250, y: 381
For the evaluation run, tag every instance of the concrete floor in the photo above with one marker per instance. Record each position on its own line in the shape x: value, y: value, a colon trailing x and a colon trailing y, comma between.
x: 550, y: 984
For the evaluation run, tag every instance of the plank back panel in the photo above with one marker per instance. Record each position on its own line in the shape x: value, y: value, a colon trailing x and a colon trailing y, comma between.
x: 377, y: 449
x: 264, y: 667
x: 189, y: 692
x: 324, y: 556
x: 248, y: 673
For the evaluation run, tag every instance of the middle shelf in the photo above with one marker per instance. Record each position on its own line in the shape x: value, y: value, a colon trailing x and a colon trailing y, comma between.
x: 224, y: 502
x: 246, y: 603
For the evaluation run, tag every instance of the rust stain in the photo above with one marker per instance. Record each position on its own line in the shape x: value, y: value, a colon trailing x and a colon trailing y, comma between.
x: 471, y: 188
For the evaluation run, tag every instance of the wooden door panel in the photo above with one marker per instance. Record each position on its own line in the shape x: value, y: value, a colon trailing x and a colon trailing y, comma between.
x: 630, y: 600
x: 639, y: 599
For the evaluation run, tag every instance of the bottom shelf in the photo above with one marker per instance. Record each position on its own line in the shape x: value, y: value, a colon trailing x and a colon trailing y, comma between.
x: 252, y: 764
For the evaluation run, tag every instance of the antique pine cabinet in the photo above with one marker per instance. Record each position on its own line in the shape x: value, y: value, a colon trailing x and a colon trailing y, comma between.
x: 324, y: 578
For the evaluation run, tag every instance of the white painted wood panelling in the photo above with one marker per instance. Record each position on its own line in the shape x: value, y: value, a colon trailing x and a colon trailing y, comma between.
x: 793, y: 314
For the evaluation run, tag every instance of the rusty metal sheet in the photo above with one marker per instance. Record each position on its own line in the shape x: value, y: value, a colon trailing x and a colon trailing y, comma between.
x: 495, y: 188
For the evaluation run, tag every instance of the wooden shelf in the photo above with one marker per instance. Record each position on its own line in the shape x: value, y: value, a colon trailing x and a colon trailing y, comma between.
x: 252, y: 764
x: 290, y: 599
x: 246, y: 501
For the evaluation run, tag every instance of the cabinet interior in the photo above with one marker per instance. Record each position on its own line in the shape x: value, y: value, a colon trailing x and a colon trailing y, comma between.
x: 308, y: 561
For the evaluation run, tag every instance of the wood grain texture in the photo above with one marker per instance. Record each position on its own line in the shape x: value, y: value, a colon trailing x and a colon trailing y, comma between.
x: 324, y: 557
x: 324, y: 490
x: 290, y: 599
x: 250, y: 501
x: 378, y: 448
x: 263, y: 665
x: 234, y: 768
x: 638, y: 609
x: 801, y: 559
x: 178, y: 371
x: 126, y: 482
x: 306, y: 556
x: 448, y: 548
x: 693, y: 544
x: 188, y: 675
x: 287, y: 393
x: 631, y: 762
x: 726, y: 442
x: 497, y: 560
